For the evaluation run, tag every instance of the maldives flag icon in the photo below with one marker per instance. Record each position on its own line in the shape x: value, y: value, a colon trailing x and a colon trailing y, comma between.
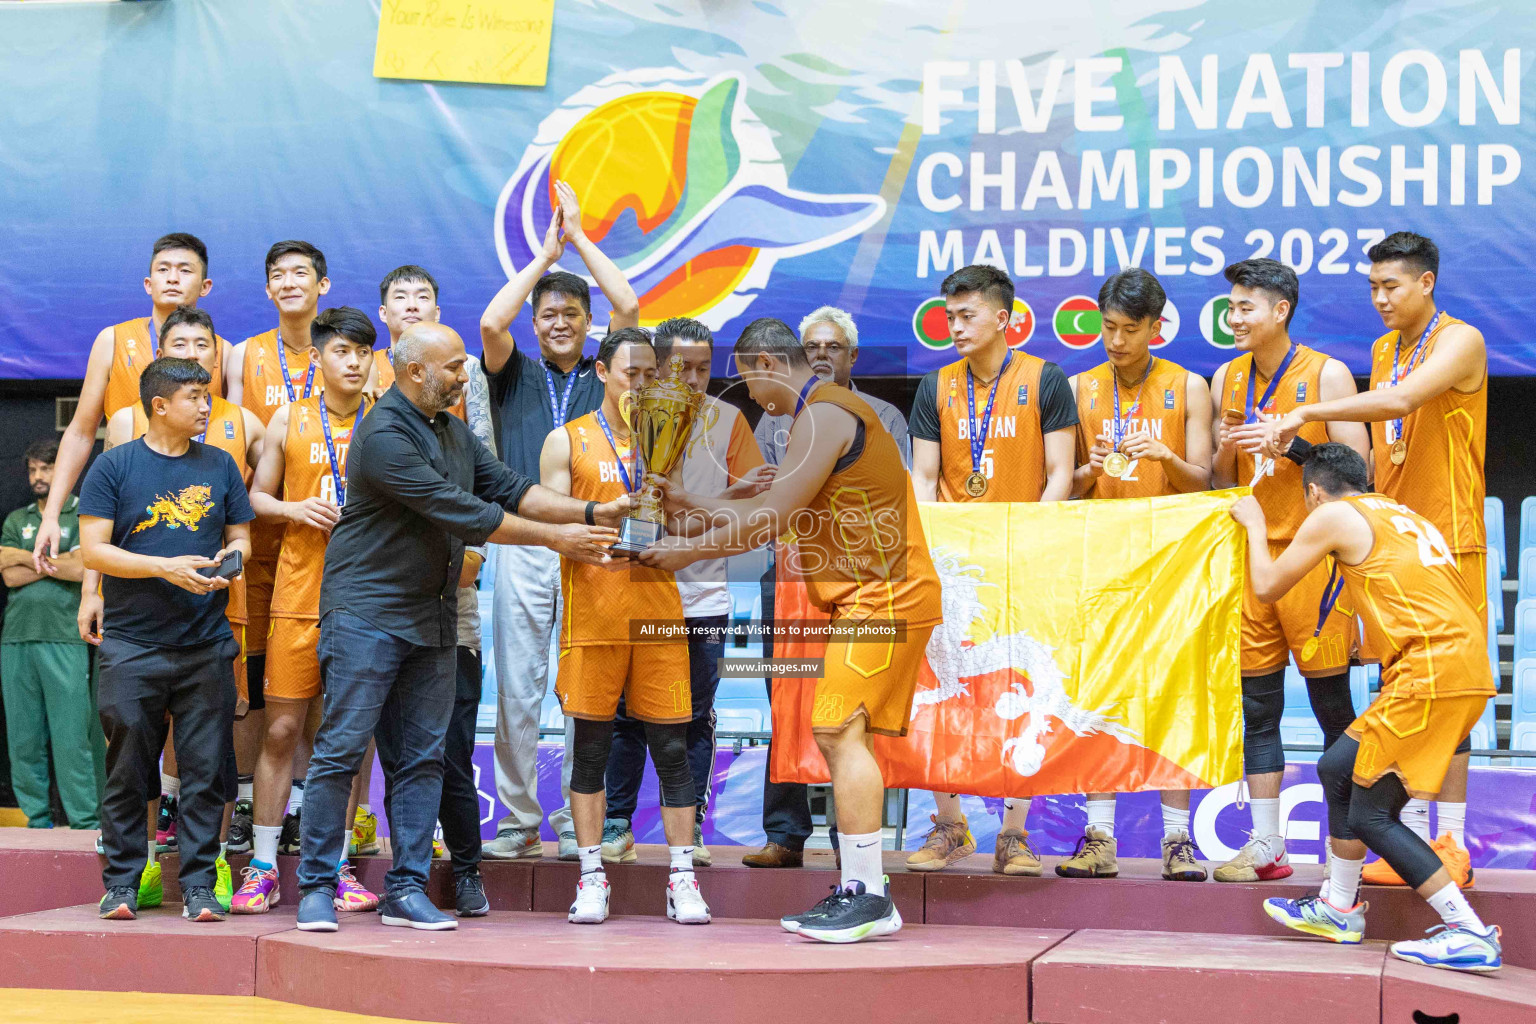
x: 1078, y: 322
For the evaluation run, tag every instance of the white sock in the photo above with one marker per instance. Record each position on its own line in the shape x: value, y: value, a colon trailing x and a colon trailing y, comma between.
x: 153, y: 853
x: 1175, y: 819
x: 244, y: 790
x: 1343, y: 881
x: 364, y: 809
x: 1266, y: 822
x: 947, y: 807
x: 1453, y: 908
x: 591, y: 859
x: 1101, y: 814
x: 1016, y: 814
x: 861, y: 860
x: 1416, y: 816
x: 264, y: 850
x: 223, y: 850
x: 1452, y: 819
x: 170, y: 785
x: 681, y: 863
x: 296, y: 796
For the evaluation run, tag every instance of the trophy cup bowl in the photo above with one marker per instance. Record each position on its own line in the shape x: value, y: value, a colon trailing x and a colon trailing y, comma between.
x: 660, y: 419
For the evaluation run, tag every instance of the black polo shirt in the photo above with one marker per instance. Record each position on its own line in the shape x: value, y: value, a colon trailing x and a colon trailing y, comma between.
x: 418, y: 490
x: 520, y: 397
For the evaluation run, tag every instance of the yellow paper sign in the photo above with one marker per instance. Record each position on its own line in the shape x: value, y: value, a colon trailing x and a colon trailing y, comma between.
x: 499, y: 42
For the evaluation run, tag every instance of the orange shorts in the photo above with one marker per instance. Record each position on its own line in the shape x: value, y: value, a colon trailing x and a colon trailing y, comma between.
x: 293, y: 659
x: 876, y: 680
x: 1473, y: 566
x: 259, y: 577
x: 1413, y: 738
x: 652, y: 679
x: 1273, y: 632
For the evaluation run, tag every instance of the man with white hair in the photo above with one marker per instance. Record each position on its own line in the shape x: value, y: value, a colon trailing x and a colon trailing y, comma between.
x: 831, y: 342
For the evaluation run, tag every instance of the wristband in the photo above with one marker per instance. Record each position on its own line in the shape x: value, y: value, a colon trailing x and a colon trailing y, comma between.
x: 590, y: 520
x: 1299, y: 451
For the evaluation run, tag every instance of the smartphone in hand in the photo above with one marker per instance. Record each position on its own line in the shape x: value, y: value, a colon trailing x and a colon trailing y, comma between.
x: 231, y: 566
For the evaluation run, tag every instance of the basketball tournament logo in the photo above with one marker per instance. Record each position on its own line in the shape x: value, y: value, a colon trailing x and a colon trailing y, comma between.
x: 930, y: 325
x: 681, y: 185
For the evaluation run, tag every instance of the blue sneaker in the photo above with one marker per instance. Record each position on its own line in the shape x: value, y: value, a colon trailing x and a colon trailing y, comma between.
x: 1454, y: 947
x: 1316, y: 916
x: 410, y: 908
x: 317, y: 911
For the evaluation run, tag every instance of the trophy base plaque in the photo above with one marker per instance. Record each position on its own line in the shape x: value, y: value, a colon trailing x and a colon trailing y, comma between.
x: 635, y: 535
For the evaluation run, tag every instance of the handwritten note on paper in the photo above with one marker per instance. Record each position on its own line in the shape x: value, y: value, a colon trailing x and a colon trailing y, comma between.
x: 499, y: 42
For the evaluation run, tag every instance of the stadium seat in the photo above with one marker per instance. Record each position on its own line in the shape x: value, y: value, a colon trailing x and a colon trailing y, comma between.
x: 1495, y: 594
x: 1493, y: 520
x: 1297, y: 724
x: 1527, y: 573
x: 1522, y: 716
x: 1525, y: 630
x: 1527, y: 526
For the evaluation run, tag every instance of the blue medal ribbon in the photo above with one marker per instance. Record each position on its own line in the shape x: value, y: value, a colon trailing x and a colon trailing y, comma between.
x: 1331, y: 594
x: 1274, y: 382
x: 805, y: 392
x: 282, y: 361
x: 1121, y: 429
x: 602, y: 421
x: 1397, y: 355
x: 559, y: 411
x: 330, y: 448
x: 980, y: 431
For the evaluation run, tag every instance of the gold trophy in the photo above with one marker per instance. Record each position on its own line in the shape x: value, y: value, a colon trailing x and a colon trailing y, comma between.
x: 660, y: 419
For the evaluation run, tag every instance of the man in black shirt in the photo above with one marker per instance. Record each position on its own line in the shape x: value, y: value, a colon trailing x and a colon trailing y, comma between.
x: 154, y: 515
x: 419, y: 487
x: 534, y: 394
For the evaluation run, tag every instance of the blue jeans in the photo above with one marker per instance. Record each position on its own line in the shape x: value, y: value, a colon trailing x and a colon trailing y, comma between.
x: 626, y: 758
x: 376, y: 681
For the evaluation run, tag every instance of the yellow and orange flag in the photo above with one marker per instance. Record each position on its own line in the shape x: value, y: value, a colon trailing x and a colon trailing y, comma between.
x: 1087, y: 647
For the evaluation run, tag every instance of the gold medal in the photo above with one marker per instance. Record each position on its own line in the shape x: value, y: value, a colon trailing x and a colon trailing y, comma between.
x: 1309, y: 649
x: 1116, y: 464
x: 1399, y: 452
x: 976, y: 484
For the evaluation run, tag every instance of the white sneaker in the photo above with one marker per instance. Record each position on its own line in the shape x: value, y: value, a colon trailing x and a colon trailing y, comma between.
x: 1454, y: 948
x: 591, y: 906
x: 685, y: 904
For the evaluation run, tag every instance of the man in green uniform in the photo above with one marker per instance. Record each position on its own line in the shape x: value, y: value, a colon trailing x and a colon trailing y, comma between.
x: 45, y: 664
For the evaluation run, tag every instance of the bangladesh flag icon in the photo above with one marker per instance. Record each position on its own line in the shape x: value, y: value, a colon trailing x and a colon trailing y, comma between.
x: 1078, y: 322
x: 931, y: 325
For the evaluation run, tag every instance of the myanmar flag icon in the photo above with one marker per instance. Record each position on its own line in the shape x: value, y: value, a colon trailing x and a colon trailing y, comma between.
x: 1078, y: 322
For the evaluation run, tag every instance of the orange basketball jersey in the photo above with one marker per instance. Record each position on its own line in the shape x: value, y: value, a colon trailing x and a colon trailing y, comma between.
x: 599, y: 605
x: 1279, y: 490
x: 1442, y: 476
x: 1154, y: 407
x: 386, y: 376
x: 864, y: 555
x: 1419, y: 616
x: 307, y: 474
x: 1014, y: 458
x: 264, y: 394
x: 226, y: 431
x: 132, y: 350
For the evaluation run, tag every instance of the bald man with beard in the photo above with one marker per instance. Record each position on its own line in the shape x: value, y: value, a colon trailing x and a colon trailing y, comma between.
x: 420, y: 487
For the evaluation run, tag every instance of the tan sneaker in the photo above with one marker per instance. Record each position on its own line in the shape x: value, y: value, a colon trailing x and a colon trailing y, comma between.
x: 1014, y: 855
x: 948, y: 842
x: 1179, y: 862
x: 1255, y: 862
x: 1094, y: 857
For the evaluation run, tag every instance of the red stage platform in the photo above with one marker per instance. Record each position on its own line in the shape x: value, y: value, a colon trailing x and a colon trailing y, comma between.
x: 1055, y: 951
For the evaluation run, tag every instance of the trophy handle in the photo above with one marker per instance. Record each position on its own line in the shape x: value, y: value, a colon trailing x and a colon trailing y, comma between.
x: 627, y: 404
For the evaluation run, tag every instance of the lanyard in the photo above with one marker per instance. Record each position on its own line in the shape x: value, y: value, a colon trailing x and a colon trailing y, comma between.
x: 1331, y: 594
x: 1120, y: 429
x: 337, y: 477
x: 1397, y: 355
x: 979, y: 431
x: 1274, y: 382
x: 805, y: 392
x: 602, y: 421
x: 282, y: 361
x: 559, y: 411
